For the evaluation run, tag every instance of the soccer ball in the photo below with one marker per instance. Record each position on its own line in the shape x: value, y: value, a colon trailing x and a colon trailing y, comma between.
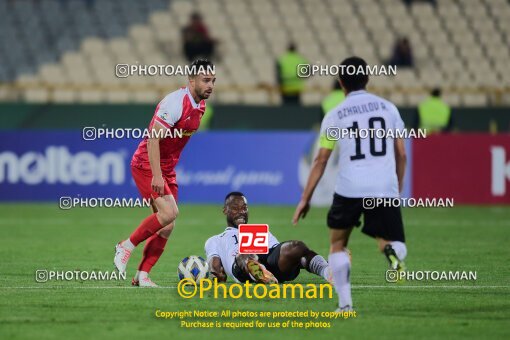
x: 193, y: 267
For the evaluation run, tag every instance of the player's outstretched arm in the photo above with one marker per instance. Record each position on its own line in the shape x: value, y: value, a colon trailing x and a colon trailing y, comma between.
x: 318, y: 167
x: 217, y: 270
x: 158, y: 183
x: 400, y: 160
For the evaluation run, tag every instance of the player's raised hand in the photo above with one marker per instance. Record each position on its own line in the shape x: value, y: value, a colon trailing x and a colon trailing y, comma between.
x: 158, y: 185
x: 301, y: 211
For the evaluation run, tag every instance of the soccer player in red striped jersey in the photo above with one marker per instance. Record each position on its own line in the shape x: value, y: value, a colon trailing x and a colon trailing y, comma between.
x: 153, y: 164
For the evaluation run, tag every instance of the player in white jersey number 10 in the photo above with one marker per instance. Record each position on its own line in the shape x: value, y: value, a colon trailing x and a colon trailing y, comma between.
x: 371, y: 165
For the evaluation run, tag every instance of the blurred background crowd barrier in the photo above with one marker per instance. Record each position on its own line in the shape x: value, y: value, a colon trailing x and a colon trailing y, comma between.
x: 58, y: 75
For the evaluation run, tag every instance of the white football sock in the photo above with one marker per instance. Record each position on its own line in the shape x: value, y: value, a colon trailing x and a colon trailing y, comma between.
x: 318, y: 265
x: 128, y: 244
x: 325, y: 272
x: 400, y: 249
x: 340, y: 266
x: 143, y: 275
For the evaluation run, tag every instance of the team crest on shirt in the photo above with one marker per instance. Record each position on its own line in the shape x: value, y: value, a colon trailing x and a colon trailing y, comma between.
x: 187, y: 133
x: 163, y: 115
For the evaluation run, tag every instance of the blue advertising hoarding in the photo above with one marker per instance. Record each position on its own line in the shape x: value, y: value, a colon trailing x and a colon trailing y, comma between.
x: 269, y: 167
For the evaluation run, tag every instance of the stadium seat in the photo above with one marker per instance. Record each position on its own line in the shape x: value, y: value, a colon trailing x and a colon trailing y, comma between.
x: 117, y: 97
x: 457, y: 44
x: 36, y: 96
x: 64, y: 96
x: 474, y: 100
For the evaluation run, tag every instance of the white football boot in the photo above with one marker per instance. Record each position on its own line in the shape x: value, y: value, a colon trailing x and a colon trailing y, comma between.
x: 121, y: 258
x: 346, y: 308
x: 144, y: 281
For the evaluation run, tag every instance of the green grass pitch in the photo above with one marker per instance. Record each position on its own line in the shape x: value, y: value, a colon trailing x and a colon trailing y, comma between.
x: 40, y: 236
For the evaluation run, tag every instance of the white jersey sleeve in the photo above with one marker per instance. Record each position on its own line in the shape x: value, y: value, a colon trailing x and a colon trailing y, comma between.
x: 211, y: 248
x: 328, y: 122
x: 226, y: 247
x: 169, y: 110
x: 272, y: 242
x: 328, y: 132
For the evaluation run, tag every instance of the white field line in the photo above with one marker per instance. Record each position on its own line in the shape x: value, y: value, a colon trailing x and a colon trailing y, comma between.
x: 64, y: 220
x: 396, y: 286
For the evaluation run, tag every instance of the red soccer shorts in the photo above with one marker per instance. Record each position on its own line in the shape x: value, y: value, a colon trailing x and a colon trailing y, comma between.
x: 143, y: 180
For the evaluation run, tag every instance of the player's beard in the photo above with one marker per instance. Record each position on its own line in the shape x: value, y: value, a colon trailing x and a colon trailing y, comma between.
x: 240, y: 219
x: 202, y: 94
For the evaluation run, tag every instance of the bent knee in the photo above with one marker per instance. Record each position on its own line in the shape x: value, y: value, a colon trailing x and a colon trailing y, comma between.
x: 297, y: 248
x: 295, y: 244
x: 167, y: 216
x: 166, y: 230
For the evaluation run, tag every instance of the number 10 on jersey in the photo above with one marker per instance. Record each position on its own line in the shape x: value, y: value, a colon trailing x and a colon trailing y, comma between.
x: 253, y: 239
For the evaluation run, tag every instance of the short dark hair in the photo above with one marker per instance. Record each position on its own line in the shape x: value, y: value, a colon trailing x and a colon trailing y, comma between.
x: 200, y: 65
x: 436, y: 92
x: 353, y: 81
x: 233, y: 193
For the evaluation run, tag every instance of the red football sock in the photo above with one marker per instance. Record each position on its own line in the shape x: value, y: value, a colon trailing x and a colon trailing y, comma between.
x: 146, y: 229
x: 152, y: 252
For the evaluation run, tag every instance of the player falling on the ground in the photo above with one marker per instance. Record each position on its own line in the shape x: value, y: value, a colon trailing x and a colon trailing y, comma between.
x: 283, y: 262
x: 153, y: 168
x: 371, y: 167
